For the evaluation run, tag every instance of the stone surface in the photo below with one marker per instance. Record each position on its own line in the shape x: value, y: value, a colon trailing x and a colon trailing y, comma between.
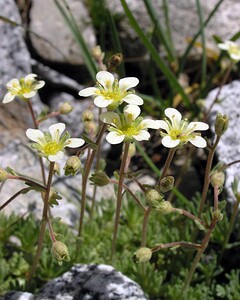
x: 87, y: 282
x: 228, y: 149
x: 47, y: 22
x: 184, y: 22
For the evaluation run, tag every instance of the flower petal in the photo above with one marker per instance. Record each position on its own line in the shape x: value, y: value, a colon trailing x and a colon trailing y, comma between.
x: 133, y: 99
x: 168, y: 142
x: 100, y: 101
x: 143, y: 135
x: 39, y: 84
x: 8, y: 98
x: 223, y: 46
x: 105, y: 78
x: 56, y: 157
x: 111, y: 118
x: 30, y: 77
x: 163, y: 125
x: 148, y: 123
x: 90, y: 91
x: 114, y: 138
x: 174, y: 115
x: 127, y: 83
x: 235, y: 56
x: 74, y: 142
x: 29, y: 95
x: 198, y: 141
x: 56, y: 131
x: 35, y: 135
x: 131, y: 111
x: 12, y: 82
x: 194, y: 126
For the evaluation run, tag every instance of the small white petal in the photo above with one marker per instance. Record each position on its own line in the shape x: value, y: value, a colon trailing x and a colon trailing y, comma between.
x: 8, y: 98
x: 39, y: 84
x: 12, y: 82
x: 56, y: 131
x: 133, y: 99
x: 105, y: 78
x: 198, y: 141
x: 58, y: 156
x: 90, y: 91
x: 163, y: 125
x: 127, y: 83
x: 111, y: 118
x: 132, y: 110
x: 30, y: 77
x: 35, y: 135
x: 114, y: 138
x: 100, y: 101
x: 235, y: 56
x: 168, y: 142
x: 194, y: 126
x: 29, y: 95
x: 223, y: 46
x: 74, y: 142
x: 143, y: 135
x: 173, y: 114
x: 148, y: 123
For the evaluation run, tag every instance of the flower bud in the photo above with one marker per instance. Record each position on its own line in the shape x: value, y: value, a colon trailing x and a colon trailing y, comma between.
x: 153, y: 197
x: 56, y: 169
x: 142, y: 255
x: 99, y: 178
x: 90, y: 128
x: 221, y: 124
x: 132, y: 150
x: 72, y: 166
x: 60, y: 252
x: 217, y: 179
x: 3, y: 175
x: 53, y: 197
x: 115, y: 61
x: 166, y: 184
x: 65, y: 108
x: 164, y: 207
x: 97, y: 53
x: 87, y: 116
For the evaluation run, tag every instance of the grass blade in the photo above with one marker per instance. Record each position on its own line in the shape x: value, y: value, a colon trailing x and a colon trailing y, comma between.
x: 159, y: 61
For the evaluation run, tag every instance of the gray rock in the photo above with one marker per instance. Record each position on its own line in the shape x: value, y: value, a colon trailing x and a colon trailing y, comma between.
x: 228, y: 149
x: 89, y: 282
x: 47, y: 22
x: 184, y: 21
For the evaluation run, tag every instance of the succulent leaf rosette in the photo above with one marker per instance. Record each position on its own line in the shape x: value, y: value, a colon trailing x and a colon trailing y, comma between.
x: 128, y: 126
x: 51, y: 144
x: 110, y: 93
x: 178, y: 131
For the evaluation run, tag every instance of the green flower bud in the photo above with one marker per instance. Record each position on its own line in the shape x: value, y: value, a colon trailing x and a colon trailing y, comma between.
x: 99, y: 178
x: 65, y: 108
x: 142, y: 255
x: 217, y: 179
x: 53, y: 197
x: 90, y: 128
x: 60, y: 252
x: 221, y: 124
x: 153, y: 197
x: 72, y: 166
x: 166, y: 184
x: 3, y: 175
x: 87, y: 116
x: 164, y: 207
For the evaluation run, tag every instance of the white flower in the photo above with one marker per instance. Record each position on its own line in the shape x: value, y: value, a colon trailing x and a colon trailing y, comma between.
x: 232, y: 48
x: 180, y: 131
x: 127, y: 126
x: 24, y: 88
x: 110, y: 92
x: 50, y: 144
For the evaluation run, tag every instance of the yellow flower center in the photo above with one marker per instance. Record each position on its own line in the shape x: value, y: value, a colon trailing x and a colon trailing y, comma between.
x: 234, y: 49
x: 129, y: 131
x: 51, y: 148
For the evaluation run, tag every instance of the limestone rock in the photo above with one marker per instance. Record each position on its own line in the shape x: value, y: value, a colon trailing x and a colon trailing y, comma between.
x: 228, y: 149
x: 47, y: 22
x: 88, y: 282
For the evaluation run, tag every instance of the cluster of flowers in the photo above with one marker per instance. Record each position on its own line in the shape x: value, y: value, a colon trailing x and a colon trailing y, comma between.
x: 128, y: 126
